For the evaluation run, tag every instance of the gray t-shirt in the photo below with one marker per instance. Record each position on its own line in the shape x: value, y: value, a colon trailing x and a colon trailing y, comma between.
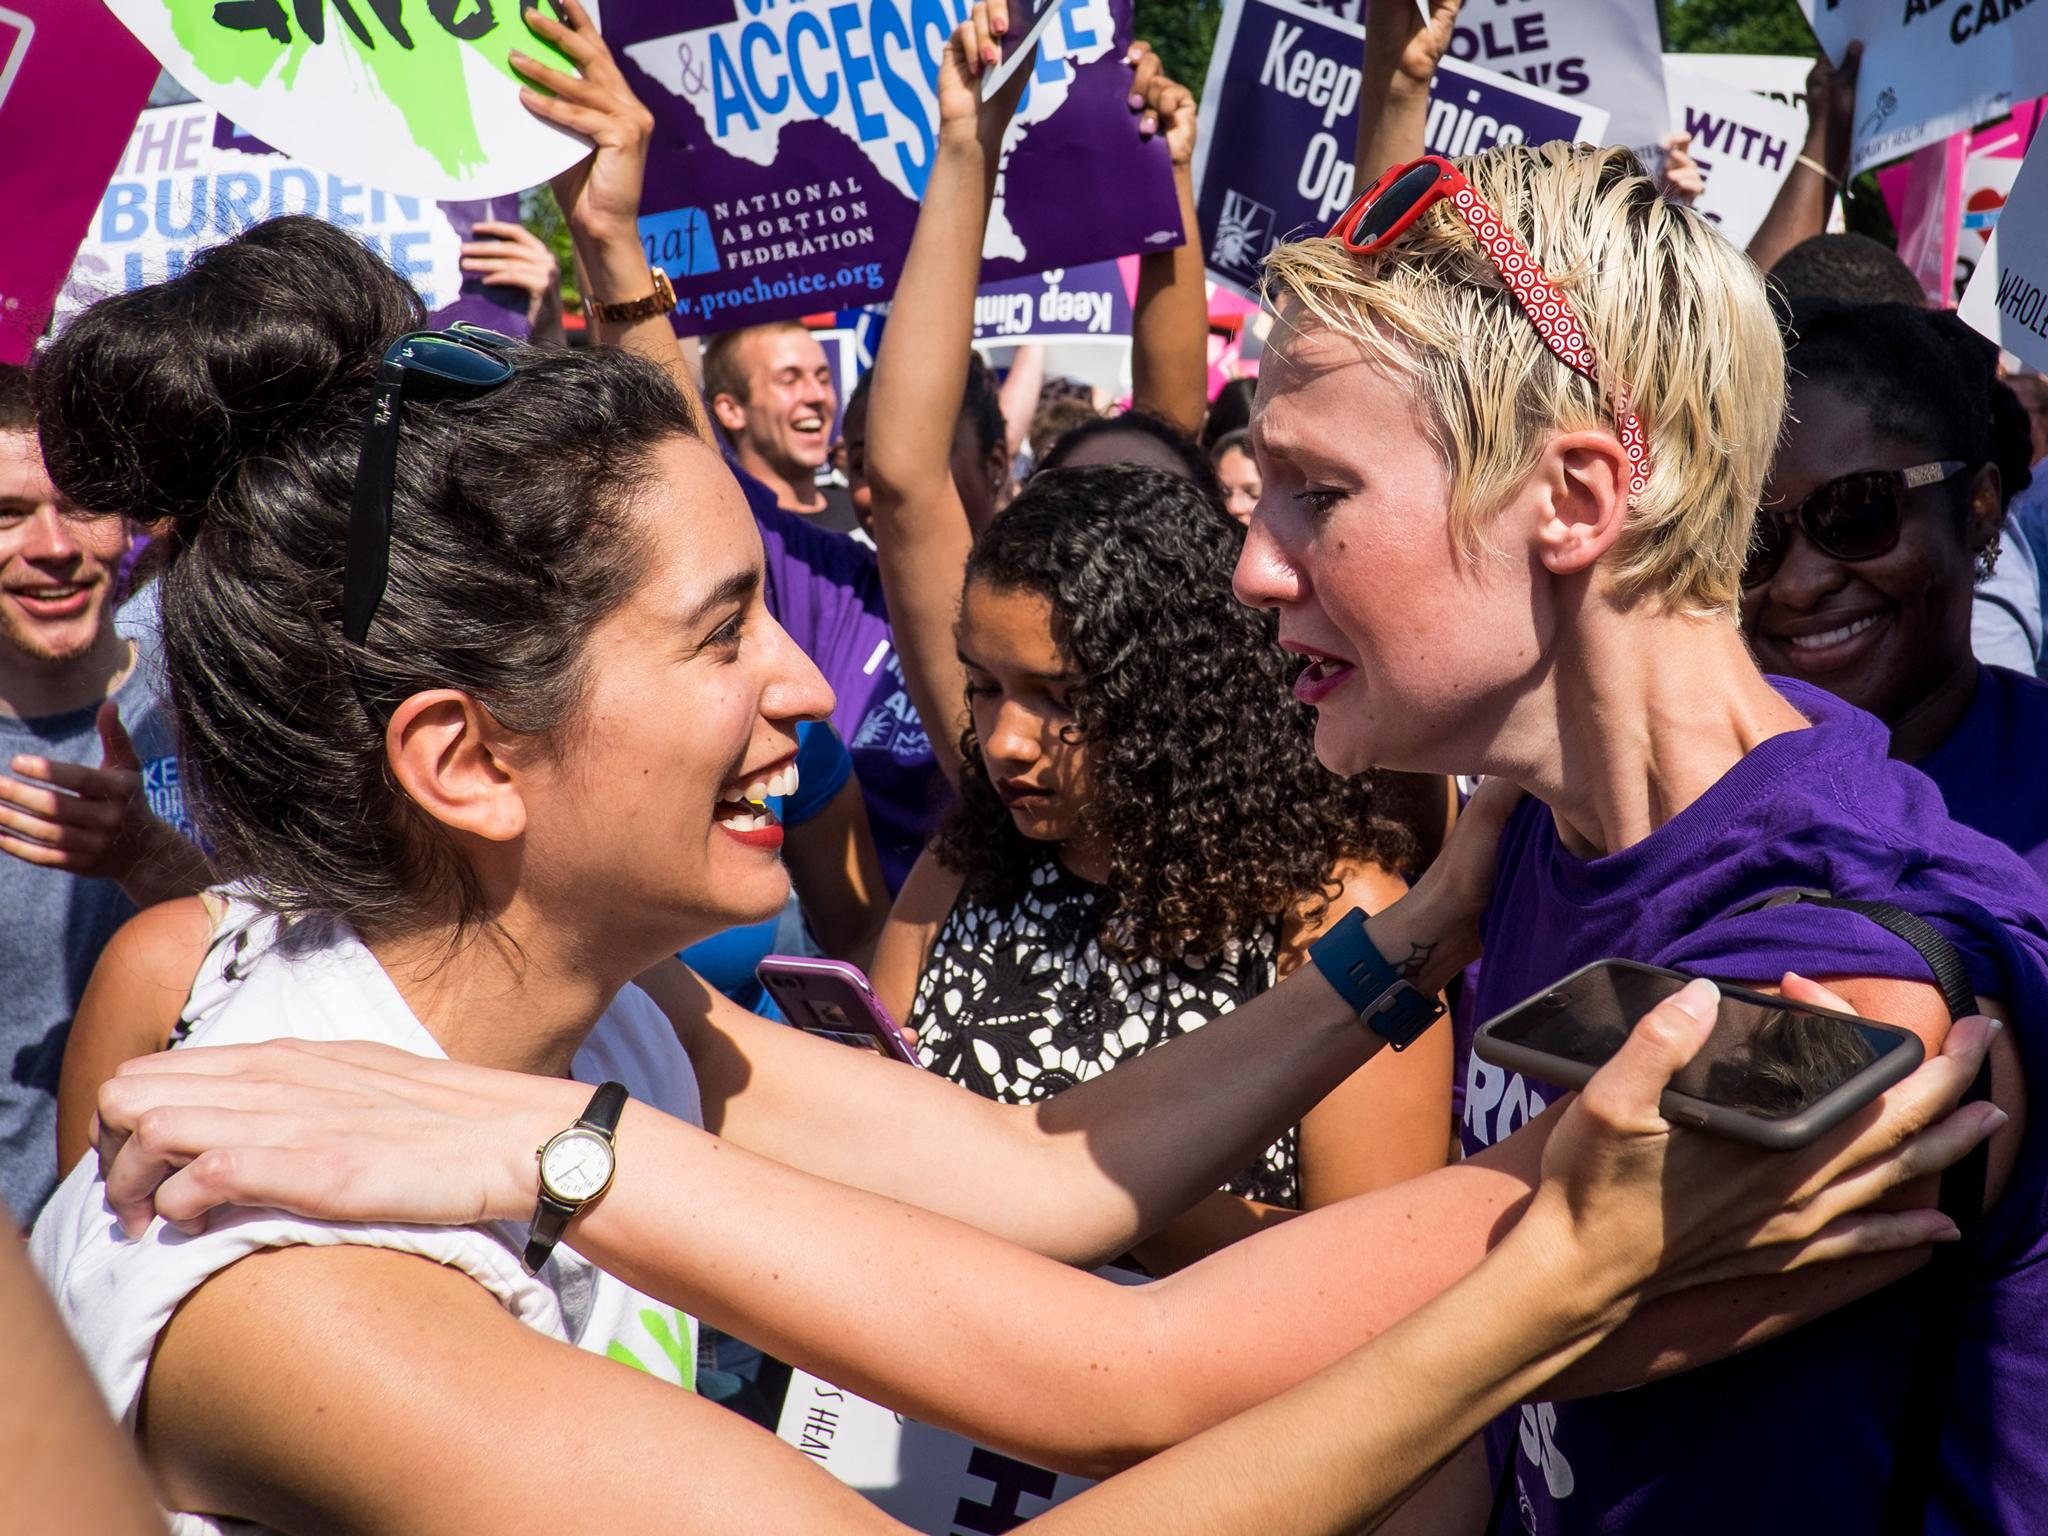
x: 54, y: 925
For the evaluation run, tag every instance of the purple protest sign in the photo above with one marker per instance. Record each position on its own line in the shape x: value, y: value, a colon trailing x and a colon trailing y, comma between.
x: 793, y: 142
x: 1085, y: 303
x: 72, y: 81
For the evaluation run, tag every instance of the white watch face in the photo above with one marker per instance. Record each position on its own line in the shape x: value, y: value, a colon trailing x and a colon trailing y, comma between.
x: 576, y: 1165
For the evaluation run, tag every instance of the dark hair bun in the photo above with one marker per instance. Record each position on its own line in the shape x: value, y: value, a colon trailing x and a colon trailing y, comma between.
x: 149, y: 401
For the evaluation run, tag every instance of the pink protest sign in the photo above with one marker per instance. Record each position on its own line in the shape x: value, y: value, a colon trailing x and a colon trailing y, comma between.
x: 72, y: 82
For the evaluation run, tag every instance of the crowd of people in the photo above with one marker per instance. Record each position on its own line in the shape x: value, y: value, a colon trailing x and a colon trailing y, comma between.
x: 418, y: 739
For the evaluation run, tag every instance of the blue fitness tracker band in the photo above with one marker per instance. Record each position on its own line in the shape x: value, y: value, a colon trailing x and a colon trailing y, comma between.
x: 1381, y: 997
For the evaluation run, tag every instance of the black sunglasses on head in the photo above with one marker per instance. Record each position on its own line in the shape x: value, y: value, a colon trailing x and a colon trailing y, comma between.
x: 464, y: 357
x: 1852, y: 517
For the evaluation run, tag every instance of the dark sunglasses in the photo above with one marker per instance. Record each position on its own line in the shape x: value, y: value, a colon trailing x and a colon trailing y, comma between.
x: 463, y: 358
x: 1852, y: 517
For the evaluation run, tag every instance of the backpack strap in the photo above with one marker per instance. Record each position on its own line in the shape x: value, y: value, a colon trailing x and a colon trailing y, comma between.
x: 1917, y: 1454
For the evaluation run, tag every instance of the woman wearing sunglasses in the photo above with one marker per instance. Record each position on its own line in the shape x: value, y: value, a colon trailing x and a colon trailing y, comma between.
x: 519, y: 789
x: 1902, y: 450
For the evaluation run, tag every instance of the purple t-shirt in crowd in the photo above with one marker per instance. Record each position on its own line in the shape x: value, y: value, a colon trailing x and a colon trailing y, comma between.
x: 1992, y: 769
x: 826, y: 591
x: 1794, y: 1437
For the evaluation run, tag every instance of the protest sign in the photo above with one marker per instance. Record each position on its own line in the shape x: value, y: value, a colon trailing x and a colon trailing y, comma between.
x: 1085, y: 303
x: 2007, y: 299
x: 1932, y: 67
x: 1279, y: 127
x: 61, y: 143
x: 1945, y: 198
x: 1745, y: 144
x: 930, y: 1480
x: 1780, y: 76
x: 412, y: 98
x: 1606, y: 52
x: 190, y: 179
x: 1602, y: 52
x: 792, y: 147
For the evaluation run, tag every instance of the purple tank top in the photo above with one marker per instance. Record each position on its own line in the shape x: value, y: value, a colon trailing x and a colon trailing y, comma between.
x: 1794, y: 1437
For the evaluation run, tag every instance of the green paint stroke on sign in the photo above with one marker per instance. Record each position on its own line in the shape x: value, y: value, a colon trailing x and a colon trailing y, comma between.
x: 411, y: 50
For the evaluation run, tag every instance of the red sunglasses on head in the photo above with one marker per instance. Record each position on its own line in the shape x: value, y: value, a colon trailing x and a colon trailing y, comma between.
x: 1387, y: 208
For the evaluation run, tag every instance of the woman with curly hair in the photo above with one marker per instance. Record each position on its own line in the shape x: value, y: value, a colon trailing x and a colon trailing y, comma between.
x: 1144, y: 838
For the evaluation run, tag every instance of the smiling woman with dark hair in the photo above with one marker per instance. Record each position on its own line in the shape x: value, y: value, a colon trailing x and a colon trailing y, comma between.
x: 1881, y: 514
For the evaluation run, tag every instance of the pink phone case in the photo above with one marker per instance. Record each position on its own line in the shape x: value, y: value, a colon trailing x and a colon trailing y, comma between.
x: 833, y: 999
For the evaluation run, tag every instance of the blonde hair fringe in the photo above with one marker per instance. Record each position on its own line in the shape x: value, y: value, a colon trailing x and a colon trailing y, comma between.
x: 1676, y: 315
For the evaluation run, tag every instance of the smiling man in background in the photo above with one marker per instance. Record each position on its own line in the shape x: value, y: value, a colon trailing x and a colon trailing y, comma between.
x: 90, y: 810
x: 770, y: 390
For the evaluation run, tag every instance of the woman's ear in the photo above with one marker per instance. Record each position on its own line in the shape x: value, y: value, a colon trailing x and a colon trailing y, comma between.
x: 447, y: 753
x: 1987, y: 507
x: 1581, y: 488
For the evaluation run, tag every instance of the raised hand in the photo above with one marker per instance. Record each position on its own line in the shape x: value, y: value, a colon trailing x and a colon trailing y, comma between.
x: 974, y: 49
x: 1681, y: 179
x: 1661, y: 1208
x: 512, y: 256
x: 599, y: 196
x: 1163, y: 104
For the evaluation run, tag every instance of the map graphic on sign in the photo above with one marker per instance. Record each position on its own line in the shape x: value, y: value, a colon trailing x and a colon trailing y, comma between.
x: 748, y: 80
x: 416, y: 99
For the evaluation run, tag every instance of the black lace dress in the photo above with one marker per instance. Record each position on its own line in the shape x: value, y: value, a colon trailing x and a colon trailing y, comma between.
x: 1020, y: 1002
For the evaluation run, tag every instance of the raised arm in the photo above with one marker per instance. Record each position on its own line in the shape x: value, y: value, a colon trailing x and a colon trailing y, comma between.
x: 600, y: 196
x: 1170, y: 317
x: 920, y: 379
x: 1800, y: 209
x: 1401, y: 56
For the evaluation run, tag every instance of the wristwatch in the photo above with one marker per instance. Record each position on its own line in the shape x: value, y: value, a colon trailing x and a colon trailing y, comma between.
x: 576, y: 1166
x: 1382, y: 997
x: 659, y: 302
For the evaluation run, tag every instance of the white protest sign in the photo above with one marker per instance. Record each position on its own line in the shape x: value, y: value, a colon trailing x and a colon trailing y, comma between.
x: 188, y: 180
x: 2007, y: 299
x: 1745, y: 144
x: 415, y: 98
x: 1605, y: 51
x: 1780, y: 76
x: 930, y: 1480
x: 1933, y: 67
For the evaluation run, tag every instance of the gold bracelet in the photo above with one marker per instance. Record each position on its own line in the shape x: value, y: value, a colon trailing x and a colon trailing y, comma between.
x: 1821, y: 171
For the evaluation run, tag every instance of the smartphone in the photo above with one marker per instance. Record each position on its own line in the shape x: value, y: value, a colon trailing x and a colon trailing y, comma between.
x: 832, y: 999
x: 1773, y: 1074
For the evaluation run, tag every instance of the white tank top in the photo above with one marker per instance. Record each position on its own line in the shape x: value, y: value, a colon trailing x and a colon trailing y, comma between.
x: 317, y: 982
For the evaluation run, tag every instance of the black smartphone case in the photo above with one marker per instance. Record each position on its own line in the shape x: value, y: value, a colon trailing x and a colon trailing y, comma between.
x: 1774, y: 1135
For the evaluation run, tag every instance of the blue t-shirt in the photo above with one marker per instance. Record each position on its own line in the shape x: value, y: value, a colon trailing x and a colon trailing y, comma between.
x: 727, y: 960
x: 1795, y: 1437
x: 1992, y: 769
x: 53, y: 926
x: 826, y: 591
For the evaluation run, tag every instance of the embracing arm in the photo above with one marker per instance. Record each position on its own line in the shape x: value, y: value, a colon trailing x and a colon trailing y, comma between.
x: 1084, y: 1175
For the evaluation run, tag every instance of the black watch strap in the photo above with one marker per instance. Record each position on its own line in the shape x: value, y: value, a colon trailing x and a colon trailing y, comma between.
x: 551, y: 1216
